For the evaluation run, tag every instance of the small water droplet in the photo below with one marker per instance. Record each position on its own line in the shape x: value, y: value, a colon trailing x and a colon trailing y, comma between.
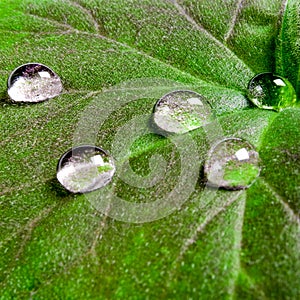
x: 232, y: 164
x: 85, y: 168
x: 33, y: 82
x: 181, y: 111
x: 270, y: 91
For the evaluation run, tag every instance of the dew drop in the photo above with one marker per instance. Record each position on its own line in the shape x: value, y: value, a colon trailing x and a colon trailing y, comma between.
x: 33, y: 82
x: 85, y: 168
x: 269, y: 91
x: 232, y: 164
x: 181, y: 111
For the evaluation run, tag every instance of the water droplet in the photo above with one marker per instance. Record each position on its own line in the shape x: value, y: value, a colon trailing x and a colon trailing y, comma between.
x: 181, y: 111
x: 85, y: 168
x: 232, y: 164
x: 270, y: 91
x: 33, y: 82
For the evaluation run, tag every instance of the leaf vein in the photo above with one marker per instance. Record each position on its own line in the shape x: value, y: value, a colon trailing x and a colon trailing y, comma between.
x: 201, y: 227
x: 258, y: 291
x: 134, y: 50
x: 87, y: 12
x: 238, y: 246
x: 239, y: 6
x: 34, y: 33
x: 289, y: 211
x: 54, y: 22
x: 29, y: 228
x: 38, y: 121
x: 283, y: 8
x: 76, y: 262
x: 98, y: 233
x: 183, y: 12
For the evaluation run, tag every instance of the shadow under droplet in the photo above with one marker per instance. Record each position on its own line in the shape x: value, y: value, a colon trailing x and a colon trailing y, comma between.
x: 57, y: 189
x: 4, y: 99
x: 202, y: 180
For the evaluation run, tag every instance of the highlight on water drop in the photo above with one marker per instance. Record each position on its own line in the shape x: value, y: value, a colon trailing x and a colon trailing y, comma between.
x: 269, y: 91
x: 232, y: 164
x: 181, y: 111
x: 33, y: 82
x: 85, y: 168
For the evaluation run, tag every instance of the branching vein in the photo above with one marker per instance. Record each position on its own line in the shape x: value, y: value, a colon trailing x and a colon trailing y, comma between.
x: 289, y: 211
x: 87, y: 13
x: 239, y: 6
x: 183, y: 12
x: 201, y: 227
x: 31, y: 226
x: 110, y: 40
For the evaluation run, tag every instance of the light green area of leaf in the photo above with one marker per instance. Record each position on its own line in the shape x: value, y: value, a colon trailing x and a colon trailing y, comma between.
x: 279, y: 238
x: 288, y: 49
x: 218, y: 244
x: 280, y: 150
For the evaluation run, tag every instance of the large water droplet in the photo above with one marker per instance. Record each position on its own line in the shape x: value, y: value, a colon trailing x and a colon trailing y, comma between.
x: 232, y: 164
x: 270, y: 91
x: 181, y: 111
x: 85, y: 169
x: 33, y: 82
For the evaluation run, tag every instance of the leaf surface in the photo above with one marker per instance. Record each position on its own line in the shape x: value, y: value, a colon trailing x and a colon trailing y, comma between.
x: 218, y: 244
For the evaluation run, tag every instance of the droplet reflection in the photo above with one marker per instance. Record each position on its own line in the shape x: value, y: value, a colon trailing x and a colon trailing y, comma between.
x: 269, y: 91
x: 33, y: 82
x: 85, y: 168
x: 181, y: 111
x: 232, y: 164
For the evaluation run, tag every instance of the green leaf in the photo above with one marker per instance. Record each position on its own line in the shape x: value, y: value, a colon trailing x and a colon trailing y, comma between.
x: 116, y: 59
x: 288, y: 49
